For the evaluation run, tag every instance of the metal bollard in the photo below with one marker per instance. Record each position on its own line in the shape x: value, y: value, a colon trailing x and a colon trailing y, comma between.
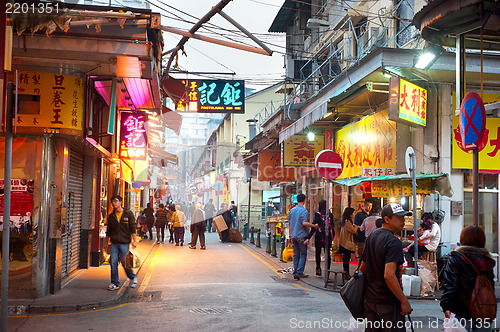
x: 282, y: 248
x: 252, y: 239
x: 273, y: 249
x: 257, y: 245
x: 268, y: 248
x: 245, y: 231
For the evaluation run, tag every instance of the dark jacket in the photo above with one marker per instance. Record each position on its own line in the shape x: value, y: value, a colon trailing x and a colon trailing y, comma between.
x: 150, y: 216
x: 120, y: 232
x: 460, y: 277
x: 320, y: 233
x: 161, y: 218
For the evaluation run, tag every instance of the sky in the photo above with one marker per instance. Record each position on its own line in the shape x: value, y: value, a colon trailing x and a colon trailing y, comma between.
x: 256, y: 16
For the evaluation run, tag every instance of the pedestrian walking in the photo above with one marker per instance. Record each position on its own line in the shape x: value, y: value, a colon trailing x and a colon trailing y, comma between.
x: 320, y: 219
x: 161, y: 221
x: 370, y: 222
x: 234, y: 213
x: 179, y: 222
x: 170, y: 223
x: 198, y: 227
x: 360, y: 236
x: 385, y: 303
x: 464, y: 265
x: 209, y: 214
x: 346, y: 241
x: 150, y: 219
x: 120, y: 231
x: 298, y: 232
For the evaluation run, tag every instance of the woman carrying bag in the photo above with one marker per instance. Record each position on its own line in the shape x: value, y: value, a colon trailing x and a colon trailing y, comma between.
x: 346, y: 242
x: 465, y: 264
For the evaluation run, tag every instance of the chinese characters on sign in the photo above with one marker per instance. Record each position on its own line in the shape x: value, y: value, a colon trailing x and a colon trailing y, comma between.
x: 489, y: 147
x: 50, y: 101
x: 299, y: 151
x: 398, y: 188
x: 377, y: 171
x: 133, y: 139
x: 369, y: 144
x: 213, y: 96
x: 407, y: 102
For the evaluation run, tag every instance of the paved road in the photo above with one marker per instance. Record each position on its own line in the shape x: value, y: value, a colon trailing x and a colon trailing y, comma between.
x: 224, y: 288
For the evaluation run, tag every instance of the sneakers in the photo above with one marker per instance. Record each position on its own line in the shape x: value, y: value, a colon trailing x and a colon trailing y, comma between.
x: 113, y: 287
x: 133, y: 283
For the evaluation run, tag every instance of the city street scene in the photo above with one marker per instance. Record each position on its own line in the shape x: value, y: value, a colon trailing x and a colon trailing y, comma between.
x: 253, y: 165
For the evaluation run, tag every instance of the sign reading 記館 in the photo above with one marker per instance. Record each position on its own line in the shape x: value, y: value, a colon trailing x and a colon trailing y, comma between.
x: 489, y: 146
x: 298, y: 151
x: 407, y: 102
x: 50, y: 100
x: 133, y: 139
x: 213, y: 96
x: 368, y: 145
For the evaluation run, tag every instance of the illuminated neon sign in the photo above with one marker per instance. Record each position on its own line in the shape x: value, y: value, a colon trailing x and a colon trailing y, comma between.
x: 133, y: 139
x: 213, y: 96
x: 407, y: 102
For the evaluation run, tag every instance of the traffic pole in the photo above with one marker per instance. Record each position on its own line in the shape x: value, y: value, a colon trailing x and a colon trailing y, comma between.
x: 6, y: 207
x: 327, y: 230
x: 415, y: 230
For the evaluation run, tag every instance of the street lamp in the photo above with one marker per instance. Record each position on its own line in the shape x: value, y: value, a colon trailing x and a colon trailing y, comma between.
x: 430, y: 54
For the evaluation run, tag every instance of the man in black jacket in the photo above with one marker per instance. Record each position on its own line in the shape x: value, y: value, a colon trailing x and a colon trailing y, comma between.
x: 120, y: 231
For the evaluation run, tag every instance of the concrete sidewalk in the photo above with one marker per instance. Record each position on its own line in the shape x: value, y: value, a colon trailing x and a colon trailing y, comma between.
x: 84, y: 289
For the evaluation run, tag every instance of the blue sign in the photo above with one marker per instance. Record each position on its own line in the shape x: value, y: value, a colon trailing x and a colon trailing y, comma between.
x: 213, y: 96
x: 472, y: 121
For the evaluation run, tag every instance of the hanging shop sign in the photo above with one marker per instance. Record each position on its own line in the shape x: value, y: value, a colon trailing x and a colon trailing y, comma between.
x: 298, y: 151
x: 133, y: 139
x: 49, y: 101
x: 489, y: 146
x: 270, y: 167
x: 407, y: 102
x: 368, y: 146
x: 398, y: 188
x: 213, y: 96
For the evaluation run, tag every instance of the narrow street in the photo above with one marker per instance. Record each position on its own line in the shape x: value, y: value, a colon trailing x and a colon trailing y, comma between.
x: 227, y: 287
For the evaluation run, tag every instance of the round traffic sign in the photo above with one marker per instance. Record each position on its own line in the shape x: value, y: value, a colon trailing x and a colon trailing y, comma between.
x: 329, y: 164
x: 408, y: 160
x: 472, y: 120
x: 218, y: 185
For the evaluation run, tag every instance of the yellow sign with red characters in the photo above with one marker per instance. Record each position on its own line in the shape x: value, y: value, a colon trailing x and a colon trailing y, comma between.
x: 298, y: 151
x: 407, y: 102
x: 398, y: 188
x: 50, y: 100
x: 367, y: 144
x: 489, y: 147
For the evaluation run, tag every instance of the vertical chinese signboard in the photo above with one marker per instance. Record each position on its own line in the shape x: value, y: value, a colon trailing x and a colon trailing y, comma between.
x: 298, y: 151
x: 50, y: 101
x: 21, y: 223
x: 270, y: 167
x: 489, y: 147
x: 368, y: 147
x: 133, y: 139
x: 213, y: 96
x: 407, y: 102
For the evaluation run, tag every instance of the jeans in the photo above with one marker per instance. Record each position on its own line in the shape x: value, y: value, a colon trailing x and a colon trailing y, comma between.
x: 320, y: 246
x: 118, y: 251
x: 209, y: 224
x: 299, y: 256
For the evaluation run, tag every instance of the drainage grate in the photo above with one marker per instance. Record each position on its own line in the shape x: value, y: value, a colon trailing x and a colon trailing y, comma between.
x: 210, y: 311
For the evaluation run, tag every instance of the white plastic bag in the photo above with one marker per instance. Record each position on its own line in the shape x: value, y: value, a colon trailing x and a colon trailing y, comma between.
x: 453, y: 324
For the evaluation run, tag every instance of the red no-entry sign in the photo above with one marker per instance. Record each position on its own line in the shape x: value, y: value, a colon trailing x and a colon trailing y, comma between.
x: 329, y: 164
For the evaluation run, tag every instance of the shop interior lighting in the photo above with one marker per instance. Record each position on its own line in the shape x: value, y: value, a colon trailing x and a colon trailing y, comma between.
x: 403, y: 200
x: 310, y: 136
x: 430, y: 54
x: 393, y: 200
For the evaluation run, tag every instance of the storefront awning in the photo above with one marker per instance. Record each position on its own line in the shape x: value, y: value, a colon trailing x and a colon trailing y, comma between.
x: 171, y: 119
x: 304, y: 122
x: 167, y: 156
x: 441, y: 184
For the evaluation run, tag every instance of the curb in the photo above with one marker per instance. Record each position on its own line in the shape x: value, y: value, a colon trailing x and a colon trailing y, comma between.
x: 20, y: 310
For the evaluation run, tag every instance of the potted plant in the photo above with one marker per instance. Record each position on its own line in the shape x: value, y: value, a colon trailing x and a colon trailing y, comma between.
x: 335, y: 253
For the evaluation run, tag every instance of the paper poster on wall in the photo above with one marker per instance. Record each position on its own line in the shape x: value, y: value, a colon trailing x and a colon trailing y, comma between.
x: 20, y: 222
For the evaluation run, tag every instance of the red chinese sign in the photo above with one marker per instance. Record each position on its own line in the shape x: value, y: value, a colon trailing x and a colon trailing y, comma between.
x: 133, y: 139
x: 369, y: 144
